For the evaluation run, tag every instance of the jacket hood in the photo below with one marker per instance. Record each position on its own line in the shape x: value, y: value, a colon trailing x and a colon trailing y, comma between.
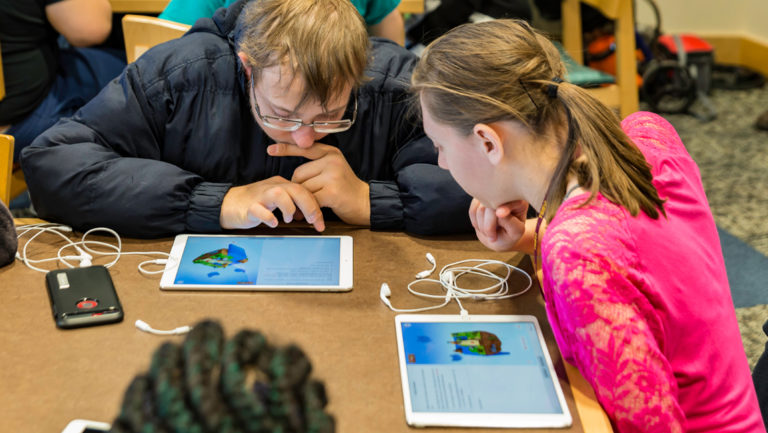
x: 223, y: 22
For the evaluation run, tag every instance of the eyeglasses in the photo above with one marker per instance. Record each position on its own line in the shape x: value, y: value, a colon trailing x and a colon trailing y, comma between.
x: 283, y: 124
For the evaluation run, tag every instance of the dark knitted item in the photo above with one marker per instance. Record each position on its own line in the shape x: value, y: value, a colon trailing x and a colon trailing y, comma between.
x: 8, y: 241
x: 209, y: 384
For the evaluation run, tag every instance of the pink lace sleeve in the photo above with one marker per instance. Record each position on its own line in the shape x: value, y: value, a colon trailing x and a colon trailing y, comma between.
x: 605, y: 327
x: 654, y: 135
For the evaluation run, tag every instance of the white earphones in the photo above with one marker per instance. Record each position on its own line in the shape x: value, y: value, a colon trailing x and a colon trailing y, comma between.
x: 428, y: 272
x: 144, y: 326
x: 385, y: 292
x: 448, y: 278
x: 82, y: 248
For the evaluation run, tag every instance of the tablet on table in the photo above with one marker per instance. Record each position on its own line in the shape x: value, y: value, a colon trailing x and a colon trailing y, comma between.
x: 227, y: 262
x: 478, y: 371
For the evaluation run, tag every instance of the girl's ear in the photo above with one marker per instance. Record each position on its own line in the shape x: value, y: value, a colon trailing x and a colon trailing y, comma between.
x: 488, y: 138
x: 244, y: 61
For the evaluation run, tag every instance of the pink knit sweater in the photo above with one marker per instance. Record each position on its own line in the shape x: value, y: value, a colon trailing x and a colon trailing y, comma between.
x: 642, y: 307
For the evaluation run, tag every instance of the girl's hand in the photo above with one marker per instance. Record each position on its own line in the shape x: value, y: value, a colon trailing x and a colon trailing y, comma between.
x: 499, y: 229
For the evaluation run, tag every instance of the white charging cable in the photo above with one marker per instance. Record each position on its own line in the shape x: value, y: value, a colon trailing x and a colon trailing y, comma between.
x: 83, y: 248
x: 448, y: 281
x: 143, y: 326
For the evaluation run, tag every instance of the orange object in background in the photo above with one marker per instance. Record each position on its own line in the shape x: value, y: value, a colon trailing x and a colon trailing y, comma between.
x: 601, y: 55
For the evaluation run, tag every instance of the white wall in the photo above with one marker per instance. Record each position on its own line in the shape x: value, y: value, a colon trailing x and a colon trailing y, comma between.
x: 709, y: 17
x: 757, y: 19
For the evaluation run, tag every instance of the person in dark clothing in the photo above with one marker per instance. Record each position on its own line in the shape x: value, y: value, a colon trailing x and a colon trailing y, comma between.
x: 268, y: 105
x: 47, y: 77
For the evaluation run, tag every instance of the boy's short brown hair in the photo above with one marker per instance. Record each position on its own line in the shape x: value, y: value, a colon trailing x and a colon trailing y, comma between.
x: 324, y: 42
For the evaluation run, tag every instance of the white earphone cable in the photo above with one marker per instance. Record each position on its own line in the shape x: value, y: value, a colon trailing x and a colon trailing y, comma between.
x: 448, y: 281
x: 144, y: 326
x: 84, y: 248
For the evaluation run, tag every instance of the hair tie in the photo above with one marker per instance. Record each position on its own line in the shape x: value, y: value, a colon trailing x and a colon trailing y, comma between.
x: 552, y: 88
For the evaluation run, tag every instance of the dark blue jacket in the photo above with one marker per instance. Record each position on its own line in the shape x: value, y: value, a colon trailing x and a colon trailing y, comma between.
x: 156, y: 151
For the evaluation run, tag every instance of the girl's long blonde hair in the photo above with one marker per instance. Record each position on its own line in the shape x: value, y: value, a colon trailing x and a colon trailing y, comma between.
x: 505, y: 70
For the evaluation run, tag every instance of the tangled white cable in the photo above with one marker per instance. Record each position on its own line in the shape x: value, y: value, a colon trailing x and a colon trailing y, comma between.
x: 83, y: 248
x: 448, y: 280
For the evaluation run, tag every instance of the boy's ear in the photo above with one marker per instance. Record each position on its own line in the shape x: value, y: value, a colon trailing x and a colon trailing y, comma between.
x: 488, y: 137
x: 244, y: 61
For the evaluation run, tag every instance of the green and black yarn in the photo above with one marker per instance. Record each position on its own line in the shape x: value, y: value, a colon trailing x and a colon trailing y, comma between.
x: 203, y: 386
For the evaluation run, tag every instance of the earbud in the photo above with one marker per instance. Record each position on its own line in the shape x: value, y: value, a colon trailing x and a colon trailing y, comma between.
x: 86, y: 261
x: 385, y: 293
x: 428, y: 272
x: 85, y: 258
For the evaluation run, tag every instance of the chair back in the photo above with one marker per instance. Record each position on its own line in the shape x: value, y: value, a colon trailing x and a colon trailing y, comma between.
x: 144, y: 32
x: 622, y: 96
x: 6, y: 167
x: 2, y: 79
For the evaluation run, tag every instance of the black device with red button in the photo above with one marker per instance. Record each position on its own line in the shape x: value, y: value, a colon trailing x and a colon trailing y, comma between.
x: 83, y: 297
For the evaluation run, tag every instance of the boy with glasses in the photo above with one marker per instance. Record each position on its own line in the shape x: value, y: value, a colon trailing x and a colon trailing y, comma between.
x: 271, y: 105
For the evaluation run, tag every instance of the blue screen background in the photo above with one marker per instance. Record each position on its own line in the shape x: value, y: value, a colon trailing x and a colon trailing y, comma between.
x: 274, y: 261
x: 442, y: 379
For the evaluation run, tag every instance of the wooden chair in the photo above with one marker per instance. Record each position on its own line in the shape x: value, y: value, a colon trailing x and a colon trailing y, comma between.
x: 622, y: 96
x: 2, y: 79
x: 144, y: 32
x: 11, y: 180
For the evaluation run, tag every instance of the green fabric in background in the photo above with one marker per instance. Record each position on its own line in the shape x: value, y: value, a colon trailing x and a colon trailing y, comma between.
x: 189, y: 11
x: 581, y: 75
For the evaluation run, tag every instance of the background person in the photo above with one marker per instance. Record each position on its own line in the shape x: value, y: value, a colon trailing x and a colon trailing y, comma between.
x: 381, y: 16
x: 219, y: 128
x: 633, y: 275
x: 43, y: 80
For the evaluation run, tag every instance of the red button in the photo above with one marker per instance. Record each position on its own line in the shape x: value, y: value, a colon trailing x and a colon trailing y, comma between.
x: 87, y: 304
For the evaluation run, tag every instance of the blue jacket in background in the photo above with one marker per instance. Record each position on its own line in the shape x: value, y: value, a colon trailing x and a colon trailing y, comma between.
x: 156, y: 151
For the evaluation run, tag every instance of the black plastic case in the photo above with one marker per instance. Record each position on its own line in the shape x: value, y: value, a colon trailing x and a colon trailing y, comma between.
x: 83, y: 297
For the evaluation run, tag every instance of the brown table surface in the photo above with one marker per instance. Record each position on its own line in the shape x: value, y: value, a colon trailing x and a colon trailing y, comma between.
x: 51, y: 376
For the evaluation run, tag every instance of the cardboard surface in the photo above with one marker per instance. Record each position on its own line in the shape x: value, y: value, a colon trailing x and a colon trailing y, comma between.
x: 51, y: 376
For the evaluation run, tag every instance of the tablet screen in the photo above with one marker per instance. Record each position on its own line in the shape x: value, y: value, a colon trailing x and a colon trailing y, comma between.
x: 257, y: 261
x: 477, y: 367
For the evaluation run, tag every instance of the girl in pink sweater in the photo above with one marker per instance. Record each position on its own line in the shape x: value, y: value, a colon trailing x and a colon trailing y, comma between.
x: 633, y: 275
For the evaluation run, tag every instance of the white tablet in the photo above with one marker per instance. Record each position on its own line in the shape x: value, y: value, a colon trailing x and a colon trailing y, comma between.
x: 227, y: 262
x: 478, y: 371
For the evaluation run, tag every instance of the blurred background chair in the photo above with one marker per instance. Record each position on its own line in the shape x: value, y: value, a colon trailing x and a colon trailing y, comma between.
x: 11, y: 178
x: 144, y: 32
x: 2, y: 80
x: 623, y: 94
